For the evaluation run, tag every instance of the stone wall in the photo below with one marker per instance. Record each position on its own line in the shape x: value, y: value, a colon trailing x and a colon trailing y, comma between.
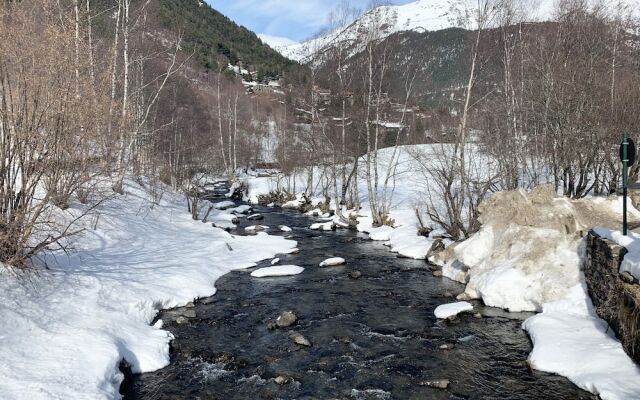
x: 616, y: 297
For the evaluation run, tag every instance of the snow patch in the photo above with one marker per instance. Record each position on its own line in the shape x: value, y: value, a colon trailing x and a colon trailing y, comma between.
x: 279, y: 270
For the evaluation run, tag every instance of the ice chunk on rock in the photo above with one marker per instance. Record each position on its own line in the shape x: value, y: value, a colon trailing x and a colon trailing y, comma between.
x: 330, y: 262
x: 450, y: 310
x: 256, y: 228
x: 243, y: 209
x: 278, y: 270
x: 323, y: 226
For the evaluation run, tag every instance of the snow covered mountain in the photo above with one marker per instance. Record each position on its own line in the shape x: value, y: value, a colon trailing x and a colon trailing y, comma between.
x: 417, y: 16
x: 420, y: 15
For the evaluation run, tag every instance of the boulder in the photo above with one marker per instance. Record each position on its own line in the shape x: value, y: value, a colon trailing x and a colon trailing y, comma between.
x: 299, y: 339
x: 436, y: 383
x: 286, y: 319
x: 282, y: 380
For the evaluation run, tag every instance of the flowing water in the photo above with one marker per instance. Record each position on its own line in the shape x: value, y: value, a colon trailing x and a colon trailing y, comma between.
x: 372, y: 338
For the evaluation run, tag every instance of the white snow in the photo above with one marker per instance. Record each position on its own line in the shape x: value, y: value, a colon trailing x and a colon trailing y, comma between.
x: 256, y: 228
x: 330, y: 262
x: 278, y: 270
x: 223, y: 205
x: 571, y: 341
x: 226, y: 225
x: 631, y: 261
x: 323, y: 226
x: 452, y: 309
x: 65, y: 329
x: 293, y: 204
x: 284, y: 228
x: 528, y: 251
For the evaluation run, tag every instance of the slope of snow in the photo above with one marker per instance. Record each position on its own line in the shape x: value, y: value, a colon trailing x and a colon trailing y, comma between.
x: 65, y: 329
x: 420, y: 15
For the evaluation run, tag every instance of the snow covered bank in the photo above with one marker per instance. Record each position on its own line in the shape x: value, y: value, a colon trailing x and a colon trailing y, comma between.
x: 570, y: 340
x: 64, y: 330
x: 528, y: 257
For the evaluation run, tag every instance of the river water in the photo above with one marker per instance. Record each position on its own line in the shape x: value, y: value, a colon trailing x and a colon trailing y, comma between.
x: 372, y: 338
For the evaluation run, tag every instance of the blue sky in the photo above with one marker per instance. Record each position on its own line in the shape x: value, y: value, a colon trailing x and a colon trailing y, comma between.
x: 294, y: 19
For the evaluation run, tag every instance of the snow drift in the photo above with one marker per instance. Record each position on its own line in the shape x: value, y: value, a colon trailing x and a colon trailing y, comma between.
x: 528, y: 257
x: 527, y: 252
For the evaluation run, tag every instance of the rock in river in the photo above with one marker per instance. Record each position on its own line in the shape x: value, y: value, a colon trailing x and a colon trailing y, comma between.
x: 436, y: 383
x: 282, y: 380
x: 355, y: 275
x: 299, y: 339
x: 286, y: 319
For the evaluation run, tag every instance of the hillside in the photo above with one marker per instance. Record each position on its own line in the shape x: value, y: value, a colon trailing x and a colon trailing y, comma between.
x: 208, y: 33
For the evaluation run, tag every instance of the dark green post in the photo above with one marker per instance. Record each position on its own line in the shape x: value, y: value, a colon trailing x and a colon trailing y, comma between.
x: 625, y: 180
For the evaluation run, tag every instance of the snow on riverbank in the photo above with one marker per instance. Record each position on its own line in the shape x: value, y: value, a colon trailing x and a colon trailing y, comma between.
x: 527, y: 257
x: 65, y: 329
x: 570, y: 340
x: 631, y: 261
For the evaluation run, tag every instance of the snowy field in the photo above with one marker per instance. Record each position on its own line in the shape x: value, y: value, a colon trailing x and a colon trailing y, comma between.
x: 526, y: 257
x: 65, y: 329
